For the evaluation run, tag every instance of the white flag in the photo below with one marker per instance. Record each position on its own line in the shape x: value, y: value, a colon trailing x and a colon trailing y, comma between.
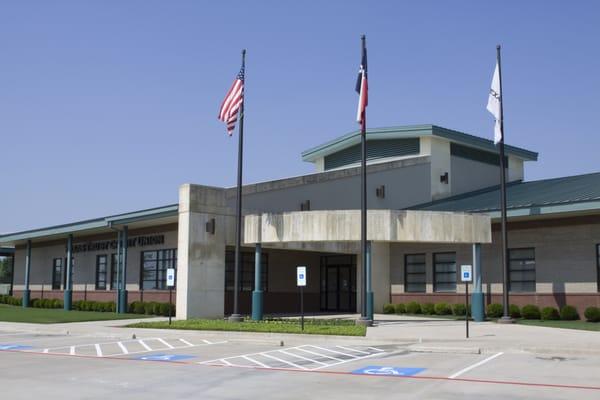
x: 493, y: 104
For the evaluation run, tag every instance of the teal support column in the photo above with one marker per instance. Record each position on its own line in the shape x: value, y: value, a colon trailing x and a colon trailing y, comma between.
x: 370, y: 297
x: 117, y: 287
x: 123, y: 292
x: 257, y: 294
x: 26, y: 291
x: 68, y: 294
x: 477, y: 300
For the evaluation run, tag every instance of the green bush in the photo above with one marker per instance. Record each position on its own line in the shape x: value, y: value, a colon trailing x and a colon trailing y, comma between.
x: 428, y: 308
x: 35, y: 303
x: 592, y: 314
x: 389, y: 309
x: 149, y: 308
x: 530, y: 311
x: 442, y: 309
x: 550, y: 314
x: 47, y: 303
x: 57, y: 303
x: 138, y: 307
x: 76, y: 305
x: 413, y: 308
x: 494, y: 310
x: 569, y: 313
x: 112, y: 306
x: 459, y: 309
x: 514, y: 311
x: 164, y: 309
x: 400, y: 308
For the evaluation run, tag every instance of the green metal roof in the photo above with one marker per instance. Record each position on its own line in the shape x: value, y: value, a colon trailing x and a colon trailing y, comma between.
x: 567, y: 194
x: 353, y: 138
x: 103, y: 222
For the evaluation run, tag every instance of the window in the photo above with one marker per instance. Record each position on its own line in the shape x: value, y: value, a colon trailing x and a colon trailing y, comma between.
x: 101, y: 271
x: 56, y: 273
x: 414, y: 273
x: 246, y: 271
x: 444, y: 271
x: 154, y: 268
x: 113, y: 271
x: 598, y: 265
x: 521, y: 264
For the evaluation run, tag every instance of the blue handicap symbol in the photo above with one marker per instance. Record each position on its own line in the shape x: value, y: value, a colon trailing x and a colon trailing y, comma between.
x: 391, y: 371
x: 164, y: 357
x: 466, y: 274
x: 14, y: 347
x: 301, y: 276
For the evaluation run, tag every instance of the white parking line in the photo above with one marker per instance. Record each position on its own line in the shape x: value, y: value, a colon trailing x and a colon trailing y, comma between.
x: 165, y: 343
x: 98, y: 350
x: 145, y: 345
x: 319, y: 354
x: 349, y: 349
x: 252, y: 360
x: 123, y: 348
x: 283, y: 361
x: 301, y: 357
x: 462, y: 371
x: 185, y: 342
x: 332, y: 351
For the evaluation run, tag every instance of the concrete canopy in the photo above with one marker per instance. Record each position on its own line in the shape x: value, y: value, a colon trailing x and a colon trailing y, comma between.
x: 382, y: 226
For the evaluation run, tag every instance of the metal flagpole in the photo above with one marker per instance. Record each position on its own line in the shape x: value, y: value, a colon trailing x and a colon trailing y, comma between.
x: 236, y: 317
x: 364, y: 319
x: 505, y: 272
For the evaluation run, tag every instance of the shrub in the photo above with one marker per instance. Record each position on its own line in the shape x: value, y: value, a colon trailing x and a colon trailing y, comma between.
x: 149, y: 308
x: 112, y: 306
x: 400, y: 308
x: 550, y: 314
x: 514, y: 311
x: 138, y: 307
x: 76, y: 305
x: 494, y: 310
x: 459, y: 309
x: 569, y: 313
x: 592, y: 314
x: 413, y: 308
x: 47, y: 303
x: 530, y: 311
x: 389, y: 309
x: 442, y: 309
x: 57, y: 303
x: 428, y: 308
x: 164, y: 309
x: 35, y: 303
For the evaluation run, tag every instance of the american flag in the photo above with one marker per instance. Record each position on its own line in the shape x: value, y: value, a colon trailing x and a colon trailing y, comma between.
x: 233, y: 102
x: 362, y: 88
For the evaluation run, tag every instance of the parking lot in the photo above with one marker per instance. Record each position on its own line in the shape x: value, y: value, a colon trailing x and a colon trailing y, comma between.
x: 179, y: 364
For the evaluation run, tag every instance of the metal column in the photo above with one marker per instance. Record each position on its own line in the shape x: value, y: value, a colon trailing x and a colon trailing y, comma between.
x: 257, y: 295
x: 68, y: 295
x: 369, y: 283
x: 26, y: 291
x: 123, y: 285
x: 477, y: 301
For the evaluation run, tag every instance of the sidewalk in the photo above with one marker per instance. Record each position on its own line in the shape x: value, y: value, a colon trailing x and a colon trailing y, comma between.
x: 421, y: 334
x: 439, y: 335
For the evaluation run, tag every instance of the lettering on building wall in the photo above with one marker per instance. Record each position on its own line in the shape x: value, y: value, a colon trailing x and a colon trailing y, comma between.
x: 138, y: 241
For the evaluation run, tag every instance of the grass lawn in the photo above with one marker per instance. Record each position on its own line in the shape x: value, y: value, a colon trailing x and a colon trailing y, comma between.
x: 311, y: 326
x: 581, y: 325
x: 52, y: 316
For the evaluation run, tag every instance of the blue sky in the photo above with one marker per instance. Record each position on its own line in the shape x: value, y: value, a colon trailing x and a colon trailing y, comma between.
x: 108, y: 106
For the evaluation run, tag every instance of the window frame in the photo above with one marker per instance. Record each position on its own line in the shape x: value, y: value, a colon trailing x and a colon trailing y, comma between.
x: 57, y: 279
x: 435, y: 273
x: 98, y: 285
x: 510, y: 270
x: 248, y: 260
x: 157, y: 269
x: 407, y: 273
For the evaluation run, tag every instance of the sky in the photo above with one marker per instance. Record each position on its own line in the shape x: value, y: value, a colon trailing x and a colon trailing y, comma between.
x: 109, y: 106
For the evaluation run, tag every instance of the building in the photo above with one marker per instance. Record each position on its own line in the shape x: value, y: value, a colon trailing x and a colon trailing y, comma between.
x: 433, y: 205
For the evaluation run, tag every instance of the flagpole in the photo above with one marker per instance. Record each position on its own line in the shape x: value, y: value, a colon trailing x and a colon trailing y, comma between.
x: 505, y: 271
x: 364, y: 319
x: 236, y: 317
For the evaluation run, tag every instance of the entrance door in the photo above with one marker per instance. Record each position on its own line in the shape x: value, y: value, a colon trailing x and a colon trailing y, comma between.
x: 338, y: 283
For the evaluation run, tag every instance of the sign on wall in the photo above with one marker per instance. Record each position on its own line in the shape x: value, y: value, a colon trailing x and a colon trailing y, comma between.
x: 466, y: 273
x: 301, y: 276
x: 170, y: 277
x: 139, y: 241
